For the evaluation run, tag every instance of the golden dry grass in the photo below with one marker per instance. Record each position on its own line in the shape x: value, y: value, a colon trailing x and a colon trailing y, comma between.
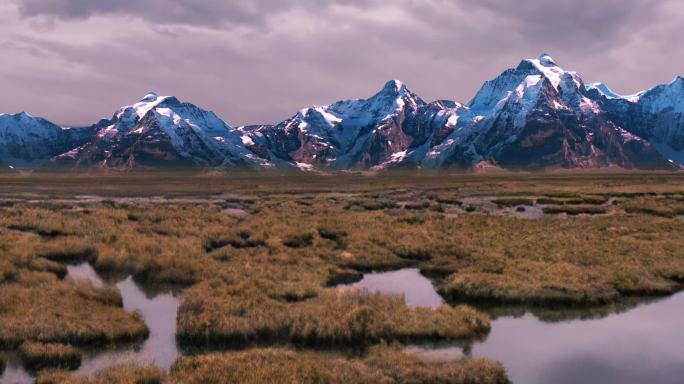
x: 382, y: 365
x: 265, y: 277
x: 215, y: 314
x: 114, y: 375
x: 37, y: 307
x: 38, y: 356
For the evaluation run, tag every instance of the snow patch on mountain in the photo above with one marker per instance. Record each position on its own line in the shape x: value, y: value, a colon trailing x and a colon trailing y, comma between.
x: 604, y: 90
x: 667, y: 97
x: 548, y: 67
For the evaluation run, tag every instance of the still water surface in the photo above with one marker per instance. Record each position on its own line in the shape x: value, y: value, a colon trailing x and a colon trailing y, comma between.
x: 644, y: 344
x: 417, y: 290
x: 159, y: 312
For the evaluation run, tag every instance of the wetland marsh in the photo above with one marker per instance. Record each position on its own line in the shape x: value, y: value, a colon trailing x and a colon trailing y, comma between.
x: 448, y: 278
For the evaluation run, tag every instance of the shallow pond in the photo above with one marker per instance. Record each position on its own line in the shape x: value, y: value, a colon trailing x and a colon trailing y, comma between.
x: 158, y: 310
x: 14, y: 372
x: 640, y: 345
x: 417, y: 290
x: 235, y: 212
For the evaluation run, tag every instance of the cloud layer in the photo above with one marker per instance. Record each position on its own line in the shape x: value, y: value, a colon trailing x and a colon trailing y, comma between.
x: 74, y: 61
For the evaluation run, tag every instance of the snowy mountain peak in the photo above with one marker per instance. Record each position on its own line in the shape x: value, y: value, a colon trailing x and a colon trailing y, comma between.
x: 525, y: 82
x: 393, y: 98
x: 22, y: 120
x: 149, y: 102
x: 150, y: 97
x: 23, y: 116
x: 546, y: 66
x: 394, y: 86
x: 546, y: 60
x: 27, y: 141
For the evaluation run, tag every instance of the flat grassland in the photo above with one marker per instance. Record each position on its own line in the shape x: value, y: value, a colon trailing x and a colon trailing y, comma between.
x: 258, y: 258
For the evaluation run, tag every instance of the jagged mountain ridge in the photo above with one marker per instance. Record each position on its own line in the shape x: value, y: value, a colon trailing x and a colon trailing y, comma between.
x: 534, y: 116
x: 545, y: 118
x: 27, y: 141
x: 656, y: 114
x: 350, y: 134
x: 160, y: 131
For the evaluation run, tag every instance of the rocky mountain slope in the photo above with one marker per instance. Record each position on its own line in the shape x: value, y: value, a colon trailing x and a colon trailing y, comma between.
x: 656, y: 115
x: 160, y: 132
x: 534, y: 116
x: 350, y: 134
x: 27, y: 141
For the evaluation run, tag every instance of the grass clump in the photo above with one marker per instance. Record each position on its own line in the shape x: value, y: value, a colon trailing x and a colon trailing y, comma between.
x: 236, y: 239
x: 217, y: 314
x: 42, y: 230
x: 574, y: 200
x: 448, y: 200
x: 561, y: 283
x: 41, y: 221
x: 372, y: 204
x: 39, y: 356
x: 668, y: 208
x: 653, y: 211
x: 40, y: 308
x: 344, y: 276
x: 381, y: 365
x: 68, y: 250
x: 298, y: 240
x: 113, y: 375
x: 334, y: 234
x: 44, y: 265
x: 417, y: 206
x: 411, y: 251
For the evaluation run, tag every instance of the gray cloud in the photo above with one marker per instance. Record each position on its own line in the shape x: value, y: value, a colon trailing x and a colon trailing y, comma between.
x: 75, y: 61
x: 162, y: 11
x: 577, y: 21
x: 192, y: 12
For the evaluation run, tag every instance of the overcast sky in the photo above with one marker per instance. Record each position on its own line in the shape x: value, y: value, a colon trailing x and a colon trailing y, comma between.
x: 259, y: 61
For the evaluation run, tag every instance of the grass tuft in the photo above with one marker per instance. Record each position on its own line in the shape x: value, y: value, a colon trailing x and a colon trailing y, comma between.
x: 214, y: 314
x: 381, y: 365
x: 114, y: 375
x: 39, y: 356
x: 298, y: 240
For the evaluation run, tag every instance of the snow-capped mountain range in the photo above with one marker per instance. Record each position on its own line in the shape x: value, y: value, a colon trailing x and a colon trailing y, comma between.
x: 534, y: 116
